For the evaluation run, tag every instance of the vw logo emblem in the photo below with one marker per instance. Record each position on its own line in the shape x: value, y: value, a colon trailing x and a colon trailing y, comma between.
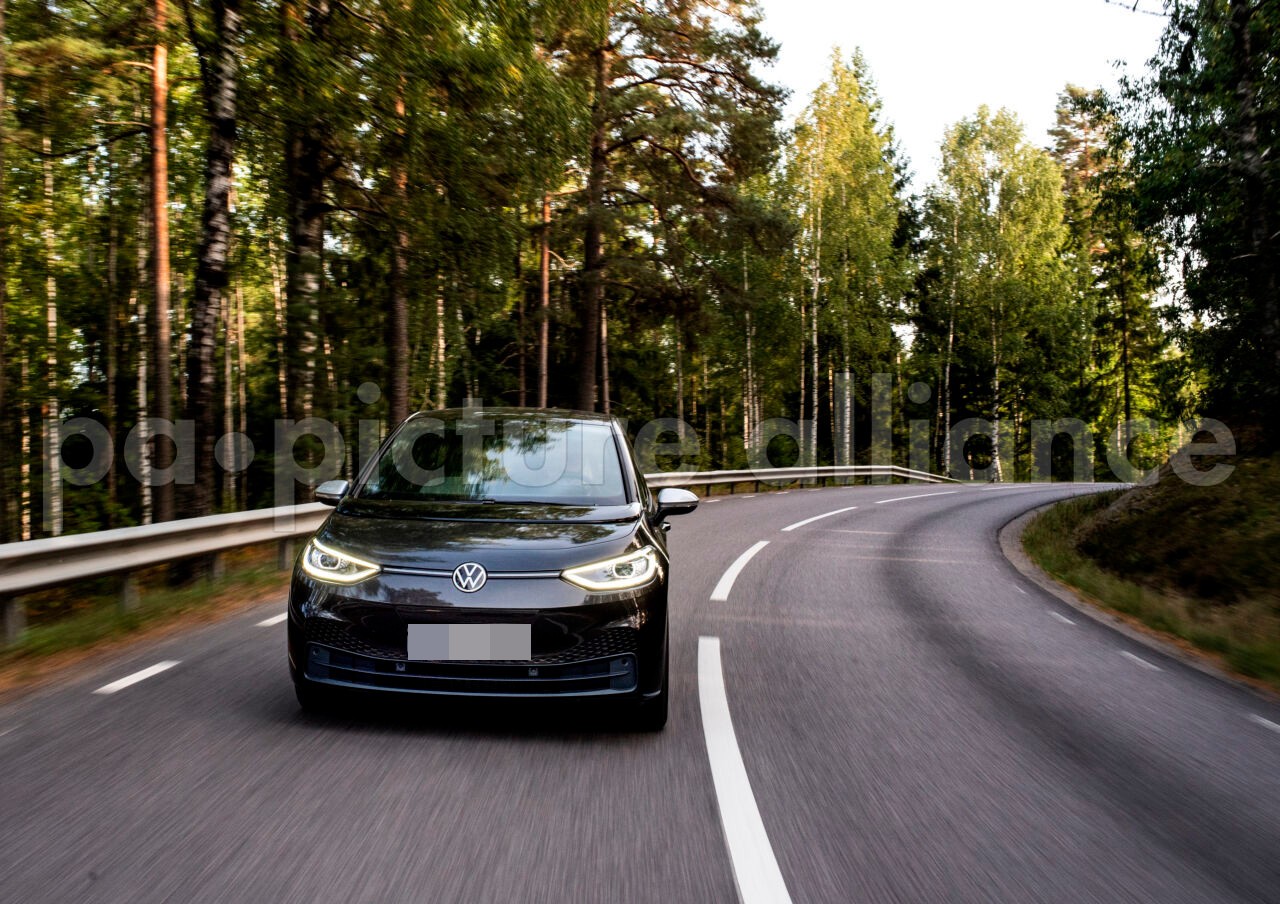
x: 469, y: 577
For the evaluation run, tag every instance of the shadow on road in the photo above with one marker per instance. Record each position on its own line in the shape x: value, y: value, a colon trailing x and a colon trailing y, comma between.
x: 532, y: 719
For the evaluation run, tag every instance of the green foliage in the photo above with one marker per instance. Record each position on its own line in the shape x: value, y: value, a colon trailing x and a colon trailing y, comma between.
x: 845, y: 189
x: 391, y: 164
x: 1203, y: 128
x: 995, y: 307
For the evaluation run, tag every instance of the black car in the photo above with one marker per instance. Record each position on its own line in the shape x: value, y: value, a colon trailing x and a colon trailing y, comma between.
x: 499, y: 552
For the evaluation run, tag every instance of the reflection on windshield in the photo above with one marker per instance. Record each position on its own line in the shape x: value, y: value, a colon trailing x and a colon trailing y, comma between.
x: 480, y: 458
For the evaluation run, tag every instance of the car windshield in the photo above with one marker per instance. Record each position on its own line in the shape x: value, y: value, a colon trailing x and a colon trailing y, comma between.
x: 480, y: 458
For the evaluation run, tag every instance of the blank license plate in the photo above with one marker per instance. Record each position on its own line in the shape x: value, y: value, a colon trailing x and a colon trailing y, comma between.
x: 470, y: 642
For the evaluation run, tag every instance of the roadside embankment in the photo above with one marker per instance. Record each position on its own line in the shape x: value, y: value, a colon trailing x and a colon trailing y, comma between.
x: 1199, y: 564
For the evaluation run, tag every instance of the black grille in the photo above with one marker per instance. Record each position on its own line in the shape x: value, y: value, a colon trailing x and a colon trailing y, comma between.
x: 339, y: 636
x: 605, y: 675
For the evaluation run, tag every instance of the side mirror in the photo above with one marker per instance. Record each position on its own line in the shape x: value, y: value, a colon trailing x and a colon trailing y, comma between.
x: 331, y: 491
x: 672, y: 501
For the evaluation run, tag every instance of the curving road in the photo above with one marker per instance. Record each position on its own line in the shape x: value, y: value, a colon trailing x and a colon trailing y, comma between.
x: 873, y: 706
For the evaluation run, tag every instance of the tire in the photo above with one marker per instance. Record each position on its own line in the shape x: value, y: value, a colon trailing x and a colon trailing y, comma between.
x: 651, y: 714
x: 312, y: 700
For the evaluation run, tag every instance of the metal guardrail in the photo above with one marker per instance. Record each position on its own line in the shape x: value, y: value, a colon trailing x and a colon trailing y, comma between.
x: 38, y: 564
x: 784, y: 476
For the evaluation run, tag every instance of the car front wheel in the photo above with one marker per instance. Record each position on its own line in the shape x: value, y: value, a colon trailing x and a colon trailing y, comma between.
x: 312, y: 699
x: 651, y: 714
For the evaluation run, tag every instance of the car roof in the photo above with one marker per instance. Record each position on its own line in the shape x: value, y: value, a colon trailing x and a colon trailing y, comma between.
x: 547, y: 414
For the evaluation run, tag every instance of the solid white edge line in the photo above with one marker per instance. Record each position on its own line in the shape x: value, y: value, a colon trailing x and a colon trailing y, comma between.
x: 921, y: 496
x: 1062, y: 618
x: 1140, y: 661
x: 136, y: 677
x: 273, y: 620
x: 1265, y: 723
x: 725, y: 584
x: 755, y: 869
x: 791, y: 527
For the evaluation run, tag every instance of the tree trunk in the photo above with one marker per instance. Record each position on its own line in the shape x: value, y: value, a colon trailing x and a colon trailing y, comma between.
x: 220, y: 72
x: 996, y: 465
x: 749, y: 425
x: 305, y: 152
x: 282, y: 329
x: 592, y: 297
x: 811, y: 431
x: 804, y: 366
x: 138, y: 304
x: 303, y: 271
x: 604, y: 358
x: 24, y: 461
x: 813, y: 388
x: 229, y: 476
x: 53, y: 424
x: 242, y: 388
x: 522, y: 369
x: 398, y: 322
x: 442, y: 365
x: 1125, y: 364
x: 544, y: 302
x: 946, y: 390
x: 163, y: 363
x: 951, y: 342
x: 5, y: 497
x: 112, y: 354
x: 679, y: 375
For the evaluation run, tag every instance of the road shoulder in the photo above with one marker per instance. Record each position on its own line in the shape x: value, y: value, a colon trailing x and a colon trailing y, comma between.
x: 1010, y: 539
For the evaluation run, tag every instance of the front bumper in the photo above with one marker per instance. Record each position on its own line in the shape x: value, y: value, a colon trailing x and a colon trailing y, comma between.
x: 583, y: 644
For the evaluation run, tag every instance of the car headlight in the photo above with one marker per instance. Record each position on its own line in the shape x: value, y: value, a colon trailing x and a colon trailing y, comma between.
x: 324, y: 563
x: 635, y: 569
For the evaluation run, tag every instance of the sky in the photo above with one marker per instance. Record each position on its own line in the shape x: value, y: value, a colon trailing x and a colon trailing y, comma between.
x: 936, y: 61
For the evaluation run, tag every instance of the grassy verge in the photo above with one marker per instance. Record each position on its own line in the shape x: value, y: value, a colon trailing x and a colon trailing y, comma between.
x: 1242, y: 632
x: 86, y: 619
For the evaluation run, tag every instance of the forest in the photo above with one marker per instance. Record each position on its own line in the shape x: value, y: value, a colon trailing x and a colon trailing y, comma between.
x: 223, y: 213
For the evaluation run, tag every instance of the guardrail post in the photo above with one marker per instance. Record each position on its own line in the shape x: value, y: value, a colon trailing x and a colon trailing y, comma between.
x: 130, y: 598
x: 217, y: 567
x: 284, y: 554
x: 14, y: 617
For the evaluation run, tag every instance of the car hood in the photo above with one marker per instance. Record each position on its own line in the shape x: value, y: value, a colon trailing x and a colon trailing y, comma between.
x: 501, y: 537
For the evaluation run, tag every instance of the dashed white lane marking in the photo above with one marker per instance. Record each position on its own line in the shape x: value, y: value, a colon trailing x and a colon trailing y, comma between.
x: 755, y: 869
x: 725, y: 584
x: 1019, y: 589
x: 1265, y: 723
x: 1062, y: 618
x: 885, y: 532
x: 1056, y: 485
x: 920, y: 496
x: 791, y: 527
x: 273, y: 620
x: 1140, y: 661
x: 747, y: 496
x: 136, y: 677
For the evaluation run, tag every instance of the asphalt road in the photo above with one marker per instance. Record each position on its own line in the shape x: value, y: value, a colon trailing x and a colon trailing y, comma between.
x: 911, y: 721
